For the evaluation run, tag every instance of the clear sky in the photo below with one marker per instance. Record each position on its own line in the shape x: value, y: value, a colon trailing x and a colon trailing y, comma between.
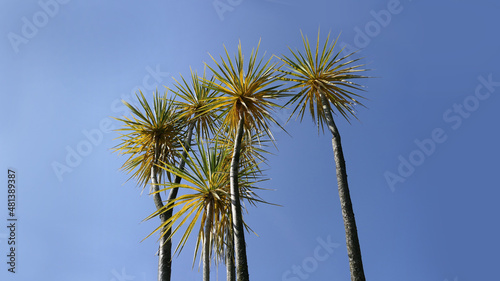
x: 422, y: 161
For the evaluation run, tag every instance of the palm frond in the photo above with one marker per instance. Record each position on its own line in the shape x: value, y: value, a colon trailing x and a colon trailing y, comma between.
x: 249, y: 92
x: 207, y: 181
x: 322, y: 72
x: 149, y: 128
x: 194, y: 101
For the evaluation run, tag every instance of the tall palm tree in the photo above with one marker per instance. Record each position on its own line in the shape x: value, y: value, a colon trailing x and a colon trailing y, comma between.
x: 324, y: 80
x: 248, y: 95
x: 193, y: 99
x: 208, y: 178
x: 152, y: 136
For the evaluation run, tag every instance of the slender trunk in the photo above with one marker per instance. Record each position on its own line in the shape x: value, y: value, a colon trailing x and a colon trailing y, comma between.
x: 237, y: 219
x: 230, y: 269
x: 164, y: 256
x: 163, y: 272
x: 351, y: 233
x: 165, y: 248
x: 206, y: 243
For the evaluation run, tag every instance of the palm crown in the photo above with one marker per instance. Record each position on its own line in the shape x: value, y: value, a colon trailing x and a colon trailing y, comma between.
x: 322, y: 73
x: 195, y: 99
x: 149, y: 132
x: 246, y: 93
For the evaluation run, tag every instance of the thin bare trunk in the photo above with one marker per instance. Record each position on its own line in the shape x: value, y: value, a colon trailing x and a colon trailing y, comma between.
x: 237, y: 219
x: 351, y: 232
x: 165, y: 248
x: 164, y: 256
x: 163, y: 272
x: 230, y: 269
x: 206, y: 243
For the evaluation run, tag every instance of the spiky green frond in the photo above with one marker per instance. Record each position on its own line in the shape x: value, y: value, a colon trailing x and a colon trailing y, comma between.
x: 253, y: 147
x: 323, y: 71
x: 194, y: 98
x: 249, y: 90
x: 149, y: 128
x: 207, y: 183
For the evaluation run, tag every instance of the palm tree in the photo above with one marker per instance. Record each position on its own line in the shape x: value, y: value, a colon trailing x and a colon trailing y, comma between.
x: 324, y: 80
x: 194, y: 97
x: 209, y: 202
x: 152, y: 137
x: 246, y: 101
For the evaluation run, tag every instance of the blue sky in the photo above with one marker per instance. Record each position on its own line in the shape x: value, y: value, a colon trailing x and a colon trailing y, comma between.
x: 422, y: 161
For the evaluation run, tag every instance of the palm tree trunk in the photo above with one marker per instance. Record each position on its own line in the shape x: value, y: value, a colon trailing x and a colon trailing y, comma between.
x: 163, y: 271
x: 165, y: 248
x: 351, y: 233
x: 206, y: 244
x: 230, y: 269
x: 237, y: 219
x: 164, y: 255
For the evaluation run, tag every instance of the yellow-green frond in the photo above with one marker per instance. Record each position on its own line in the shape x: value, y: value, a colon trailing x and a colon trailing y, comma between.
x: 194, y: 103
x: 321, y: 71
x: 207, y: 184
x: 150, y: 135
x: 250, y: 92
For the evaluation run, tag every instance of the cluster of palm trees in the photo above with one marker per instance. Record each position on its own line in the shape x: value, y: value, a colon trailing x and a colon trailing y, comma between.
x: 211, y: 137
